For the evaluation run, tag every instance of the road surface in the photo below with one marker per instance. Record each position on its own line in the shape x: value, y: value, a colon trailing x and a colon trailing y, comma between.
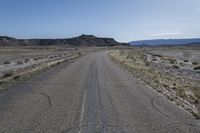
x: 90, y: 95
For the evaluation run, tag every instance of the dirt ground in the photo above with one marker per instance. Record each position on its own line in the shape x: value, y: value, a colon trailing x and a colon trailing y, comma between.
x: 173, y: 71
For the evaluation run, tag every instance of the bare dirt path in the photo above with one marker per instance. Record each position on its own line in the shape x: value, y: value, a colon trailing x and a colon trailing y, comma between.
x: 89, y: 95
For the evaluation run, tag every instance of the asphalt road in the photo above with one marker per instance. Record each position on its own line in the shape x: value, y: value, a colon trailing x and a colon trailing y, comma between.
x: 90, y: 95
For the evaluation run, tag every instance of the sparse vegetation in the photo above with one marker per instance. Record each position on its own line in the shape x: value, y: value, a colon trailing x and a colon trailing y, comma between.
x: 154, y: 59
x: 51, y: 57
x: 20, y: 62
x: 172, y: 61
x: 197, y: 68
x: 194, y: 63
x: 26, y: 60
x: 6, y: 62
x: 176, y: 85
x: 8, y: 74
x: 32, y: 57
x: 176, y: 66
x: 79, y: 53
x: 17, y: 77
x: 197, y: 115
x: 147, y: 63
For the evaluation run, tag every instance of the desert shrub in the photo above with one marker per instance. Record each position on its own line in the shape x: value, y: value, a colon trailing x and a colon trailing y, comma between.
x: 181, y: 92
x: 51, y: 57
x: 147, y: 64
x: 2, y: 82
x: 154, y: 59
x: 17, y: 77
x: 197, y: 94
x: 26, y: 60
x: 8, y: 74
x: 175, y: 66
x: 79, y: 53
x: 129, y: 57
x: 196, y: 115
x: 181, y: 64
x: 197, y: 101
x: 6, y: 62
x: 197, y: 68
x: 20, y: 62
x: 194, y: 62
x: 172, y: 61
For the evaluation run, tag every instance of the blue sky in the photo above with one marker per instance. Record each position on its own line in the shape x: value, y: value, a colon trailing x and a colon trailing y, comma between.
x: 124, y: 20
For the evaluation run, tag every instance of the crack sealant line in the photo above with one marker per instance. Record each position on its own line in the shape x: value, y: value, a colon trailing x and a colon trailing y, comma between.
x: 82, y: 112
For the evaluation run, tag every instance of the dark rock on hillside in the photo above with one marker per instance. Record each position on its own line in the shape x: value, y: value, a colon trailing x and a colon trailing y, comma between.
x: 83, y: 40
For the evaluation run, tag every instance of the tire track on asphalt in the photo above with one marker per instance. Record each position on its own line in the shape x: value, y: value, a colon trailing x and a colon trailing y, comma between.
x: 156, y: 108
x: 47, y: 97
x: 82, y: 112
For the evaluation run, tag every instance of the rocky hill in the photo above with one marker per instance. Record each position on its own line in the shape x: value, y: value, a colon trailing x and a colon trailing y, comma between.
x: 83, y: 40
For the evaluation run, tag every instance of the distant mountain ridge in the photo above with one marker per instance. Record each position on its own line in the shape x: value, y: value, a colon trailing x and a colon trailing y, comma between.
x: 83, y: 40
x: 166, y: 42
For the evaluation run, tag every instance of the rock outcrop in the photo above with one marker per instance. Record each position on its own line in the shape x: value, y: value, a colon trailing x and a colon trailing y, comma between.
x: 83, y: 40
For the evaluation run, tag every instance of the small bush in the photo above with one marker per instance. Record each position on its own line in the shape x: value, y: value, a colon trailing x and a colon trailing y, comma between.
x: 181, y: 92
x: 197, y: 68
x: 154, y: 59
x: 194, y: 63
x: 8, y: 74
x: 198, y: 95
x: 147, y: 63
x: 26, y: 60
x: 197, y: 101
x: 20, y: 62
x: 172, y: 61
x: 17, y: 77
x: 175, y: 66
x: 196, y: 115
x: 181, y: 64
x: 6, y: 62
x: 186, y: 60
x: 38, y: 58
